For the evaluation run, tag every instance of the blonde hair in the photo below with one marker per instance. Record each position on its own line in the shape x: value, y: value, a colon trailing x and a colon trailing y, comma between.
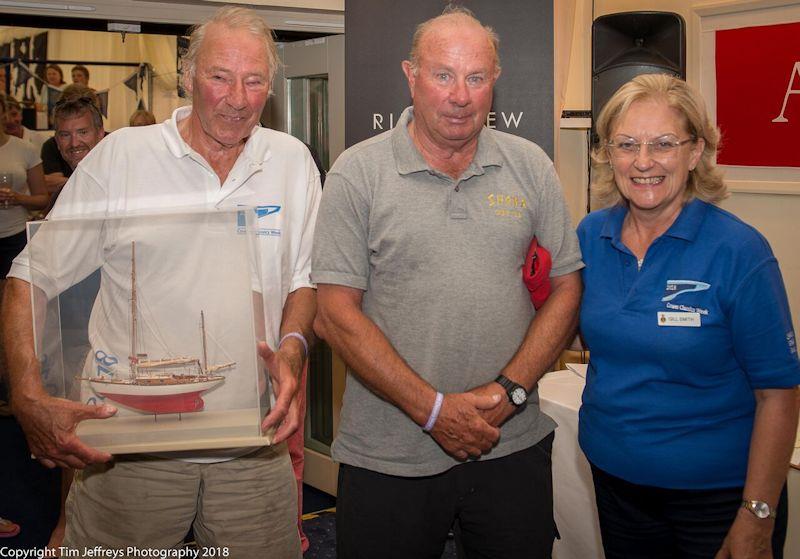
x: 231, y: 17
x: 452, y: 11
x: 704, y: 182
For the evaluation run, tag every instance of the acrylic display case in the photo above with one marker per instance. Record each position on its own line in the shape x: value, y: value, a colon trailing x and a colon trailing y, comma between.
x: 159, y: 316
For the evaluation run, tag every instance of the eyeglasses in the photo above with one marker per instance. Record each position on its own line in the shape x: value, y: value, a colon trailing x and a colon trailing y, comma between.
x: 75, y: 100
x: 664, y: 147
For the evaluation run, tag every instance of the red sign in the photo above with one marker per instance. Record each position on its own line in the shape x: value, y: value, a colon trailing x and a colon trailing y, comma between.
x: 758, y: 95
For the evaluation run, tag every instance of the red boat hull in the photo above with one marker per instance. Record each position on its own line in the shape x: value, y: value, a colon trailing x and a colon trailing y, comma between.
x: 168, y: 403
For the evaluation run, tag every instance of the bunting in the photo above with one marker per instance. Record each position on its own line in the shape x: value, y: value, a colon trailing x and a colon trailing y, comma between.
x: 53, y: 94
x: 132, y: 82
x: 102, y: 96
x: 19, y: 74
x: 23, y: 75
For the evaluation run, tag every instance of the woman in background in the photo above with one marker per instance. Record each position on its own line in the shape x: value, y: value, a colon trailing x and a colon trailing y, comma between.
x: 54, y: 75
x: 690, y: 409
x: 80, y: 75
x: 21, y: 189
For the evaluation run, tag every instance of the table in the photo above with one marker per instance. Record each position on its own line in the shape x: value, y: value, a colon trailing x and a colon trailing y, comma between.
x: 573, y: 490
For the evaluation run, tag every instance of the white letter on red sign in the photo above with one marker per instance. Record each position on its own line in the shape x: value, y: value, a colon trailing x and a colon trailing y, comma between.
x: 789, y: 91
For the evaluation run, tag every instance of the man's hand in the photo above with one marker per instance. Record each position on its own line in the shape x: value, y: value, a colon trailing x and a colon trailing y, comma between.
x: 498, y: 414
x: 461, y: 429
x: 748, y: 538
x: 49, y: 425
x: 54, y: 181
x: 285, y: 375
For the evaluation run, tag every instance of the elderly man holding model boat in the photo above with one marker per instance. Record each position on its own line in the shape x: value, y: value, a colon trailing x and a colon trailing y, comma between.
x: 213, y: 154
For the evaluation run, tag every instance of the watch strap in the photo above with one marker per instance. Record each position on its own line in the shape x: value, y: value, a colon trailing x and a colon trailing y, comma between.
x: 510, y: 386
x: 755, y: 506
x: 505, y: 382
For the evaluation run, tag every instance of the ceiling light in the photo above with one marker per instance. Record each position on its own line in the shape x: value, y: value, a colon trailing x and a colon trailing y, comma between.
x: 46, y: 6
x: 299, y: 23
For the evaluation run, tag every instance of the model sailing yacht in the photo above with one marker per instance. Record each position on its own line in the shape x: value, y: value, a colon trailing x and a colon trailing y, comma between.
x: 160, y: 386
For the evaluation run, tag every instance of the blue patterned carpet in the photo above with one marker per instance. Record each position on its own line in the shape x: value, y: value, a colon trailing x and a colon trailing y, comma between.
x: 319, y: 524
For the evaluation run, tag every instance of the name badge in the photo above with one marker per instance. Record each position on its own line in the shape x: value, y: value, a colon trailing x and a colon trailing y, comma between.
x: 686, y: 319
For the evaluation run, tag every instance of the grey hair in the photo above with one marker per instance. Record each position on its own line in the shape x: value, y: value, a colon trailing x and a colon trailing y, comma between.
x: 75, y: 106
x: 452, y: 10
x: 232, y: 17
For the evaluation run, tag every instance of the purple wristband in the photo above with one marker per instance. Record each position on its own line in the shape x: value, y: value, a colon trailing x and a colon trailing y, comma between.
x: 437, y: 407
x: 297, y: 335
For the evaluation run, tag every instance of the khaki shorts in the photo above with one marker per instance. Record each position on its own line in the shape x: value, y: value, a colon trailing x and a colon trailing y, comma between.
x: 239, y: 509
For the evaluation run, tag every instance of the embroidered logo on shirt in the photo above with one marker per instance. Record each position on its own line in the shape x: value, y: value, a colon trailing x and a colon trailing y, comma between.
x: 679, y: 287
x: 505, y: 205
x: 262, y: 211
x: 261, y: 230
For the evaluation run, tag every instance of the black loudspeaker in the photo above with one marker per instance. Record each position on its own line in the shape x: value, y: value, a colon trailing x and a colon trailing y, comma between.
x: 627, y: 44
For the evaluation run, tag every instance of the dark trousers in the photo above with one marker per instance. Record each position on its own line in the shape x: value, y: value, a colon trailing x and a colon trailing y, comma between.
x: 640, y: 521
x: 504, y: 508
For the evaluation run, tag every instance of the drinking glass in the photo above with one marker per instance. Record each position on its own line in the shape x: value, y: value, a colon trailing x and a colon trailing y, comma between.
x: 6, y: 184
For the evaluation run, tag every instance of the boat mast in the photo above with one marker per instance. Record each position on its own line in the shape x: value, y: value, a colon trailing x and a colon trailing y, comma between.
x: 133, y: 359
x: 205, y: 353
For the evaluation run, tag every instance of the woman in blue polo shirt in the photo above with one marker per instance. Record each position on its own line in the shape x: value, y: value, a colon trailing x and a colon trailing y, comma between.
x: 690, y: 408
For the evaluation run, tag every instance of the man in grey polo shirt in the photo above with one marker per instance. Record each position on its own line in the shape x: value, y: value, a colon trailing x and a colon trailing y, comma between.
x: 418, y: 255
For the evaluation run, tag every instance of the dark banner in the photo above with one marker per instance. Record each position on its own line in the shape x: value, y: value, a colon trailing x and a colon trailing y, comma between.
x: 379, y: 38
x: 24, y: 81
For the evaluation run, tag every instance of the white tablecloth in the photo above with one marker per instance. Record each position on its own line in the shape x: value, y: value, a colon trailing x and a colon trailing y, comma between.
x: 573, y: 491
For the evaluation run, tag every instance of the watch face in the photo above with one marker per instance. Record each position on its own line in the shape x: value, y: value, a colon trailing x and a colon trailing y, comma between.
x: 761, y: 509
x: 518, y: 396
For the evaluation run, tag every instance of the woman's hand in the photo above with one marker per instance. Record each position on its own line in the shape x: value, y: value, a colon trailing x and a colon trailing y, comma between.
x: 748, y: 538
x: 8, y: 198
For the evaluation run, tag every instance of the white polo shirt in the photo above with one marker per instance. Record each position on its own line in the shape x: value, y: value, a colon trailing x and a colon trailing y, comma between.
x: 151, y: 168
x: 142, y: 170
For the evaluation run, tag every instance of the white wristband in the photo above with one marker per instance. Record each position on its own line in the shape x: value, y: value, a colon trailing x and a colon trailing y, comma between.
x: 437, y: 407
x: 299, y: 336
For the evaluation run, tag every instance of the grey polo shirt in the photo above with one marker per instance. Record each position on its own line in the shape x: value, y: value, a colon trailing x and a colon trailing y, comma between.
x: 440, y: 263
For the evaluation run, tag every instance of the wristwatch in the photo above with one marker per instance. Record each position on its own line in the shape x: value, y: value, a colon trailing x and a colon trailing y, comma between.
x: 760, y: 509
x: 517, y: 395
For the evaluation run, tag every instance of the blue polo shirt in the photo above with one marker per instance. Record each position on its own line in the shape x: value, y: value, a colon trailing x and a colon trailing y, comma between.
x: 678, y: 347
